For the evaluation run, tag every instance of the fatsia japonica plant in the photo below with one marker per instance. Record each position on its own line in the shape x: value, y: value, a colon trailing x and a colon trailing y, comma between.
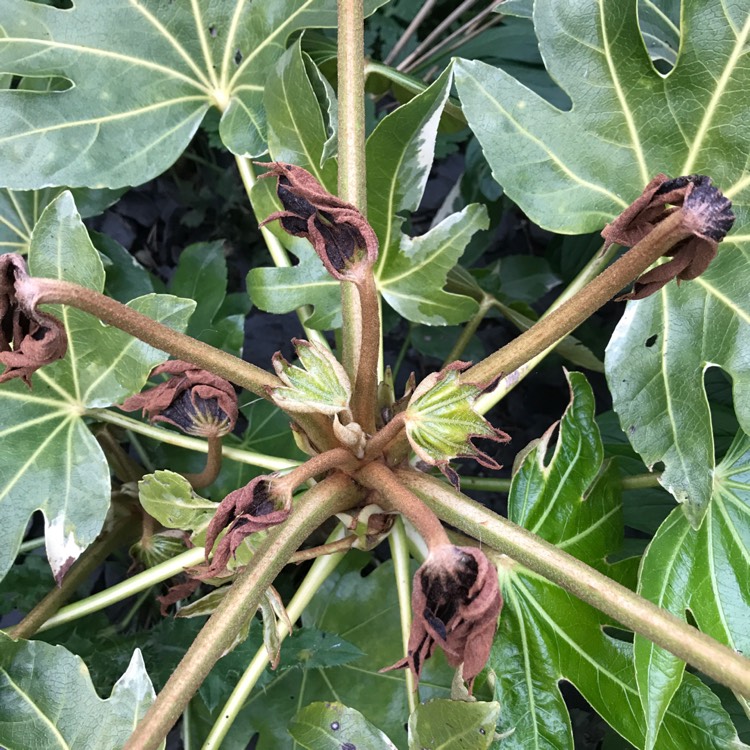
x: 177, y: 482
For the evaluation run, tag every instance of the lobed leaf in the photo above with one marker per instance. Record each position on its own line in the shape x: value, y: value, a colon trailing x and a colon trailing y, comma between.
x: 704, y: 570
x: 573, y: 171
x: 53, y: 463
x: 47, y: 700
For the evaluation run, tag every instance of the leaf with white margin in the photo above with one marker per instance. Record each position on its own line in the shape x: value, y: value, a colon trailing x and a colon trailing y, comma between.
x: 705, y: 571
x: 573, y: 171
x: 144, y: 74
x: 51, y: 462
x: 48, y: 702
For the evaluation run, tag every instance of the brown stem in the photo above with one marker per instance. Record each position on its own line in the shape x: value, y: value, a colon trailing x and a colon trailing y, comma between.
x: 255, y: 379
x: 634, y: 612
x: 378, y: 443
x: 572, y: 313
x: 340, y: 545
x: 336, y: 458
x: 351, y: 137
x: 122, y: 465
x: 331, y: 496
x: 365, y: 399
x: 121, y: 533
x: 211, y: 469
x: 395, y: 497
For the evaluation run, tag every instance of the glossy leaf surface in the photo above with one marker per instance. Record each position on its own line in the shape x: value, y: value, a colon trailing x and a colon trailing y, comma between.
x: 47, y: 700
x: 705, y: 571
x: 459, y: 725
x: 52, y: 462
x: 547, y: 635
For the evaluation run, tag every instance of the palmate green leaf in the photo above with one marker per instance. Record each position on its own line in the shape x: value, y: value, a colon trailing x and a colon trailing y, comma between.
x: 47, y: 700
x: 144, y: 74
x: 20, y: 211
x: 705, y: 571
x: 547, y: 635
x: 574, y: 171
x: 51, y: 462
x: 332, y: 726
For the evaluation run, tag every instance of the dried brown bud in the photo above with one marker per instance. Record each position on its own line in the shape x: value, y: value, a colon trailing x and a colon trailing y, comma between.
x: 707, y: 213
x: 197, y: 401
x: 341, y: 236
x: 28, y: 339
x: 242, y: 512
x: 455, y: 602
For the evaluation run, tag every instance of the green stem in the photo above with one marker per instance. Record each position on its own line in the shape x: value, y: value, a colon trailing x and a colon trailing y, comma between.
x: 641, y: 481
x: 469, y: 330
x: 319, y: 572
x: 31, y: 544
x: 634, y: 612
x: 400, y: 555
x: 278, y: 253
x: 486, y: 484
x: 566, y: 318
x: 83, y: 567
x: 332, y: 495
x: 261, y: 460
x: 127, y: 588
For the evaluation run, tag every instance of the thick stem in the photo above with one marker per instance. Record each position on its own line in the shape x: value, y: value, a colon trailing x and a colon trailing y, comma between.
x: 319, y: 572
x: 572, y: 313
x: 634, y: 612
x: 383, y: 437
x: 365, y: 399
x: 234, y: 369
x: 351, y: 139
x: 123, y: 531
x: 211, y: 469
x: 395, y: 497
x: 336, y: 458
x: 333, y: 495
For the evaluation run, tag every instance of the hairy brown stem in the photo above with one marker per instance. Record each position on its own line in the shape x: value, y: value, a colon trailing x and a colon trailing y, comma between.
x: 383, y: 437
x: 631, y: 610
x: 341, y: 545
x: 234, y: 369
x: 121, y: 533
x: 576, y: 310
x: 211, y: 469
x: 365, y: 399
x: 331, y: 496
x: 395, y: 497
x: 336, y: 458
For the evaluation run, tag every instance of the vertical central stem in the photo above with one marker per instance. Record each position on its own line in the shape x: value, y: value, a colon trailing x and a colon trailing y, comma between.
x: 351, y: 139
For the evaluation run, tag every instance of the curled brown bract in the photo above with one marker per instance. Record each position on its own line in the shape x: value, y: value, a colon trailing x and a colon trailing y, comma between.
x: 341, y: 236
x: 455, y: 602
x: 243, y: 512
x: 707, y: 213
x: 29, y: 339
x: 197, y: 401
